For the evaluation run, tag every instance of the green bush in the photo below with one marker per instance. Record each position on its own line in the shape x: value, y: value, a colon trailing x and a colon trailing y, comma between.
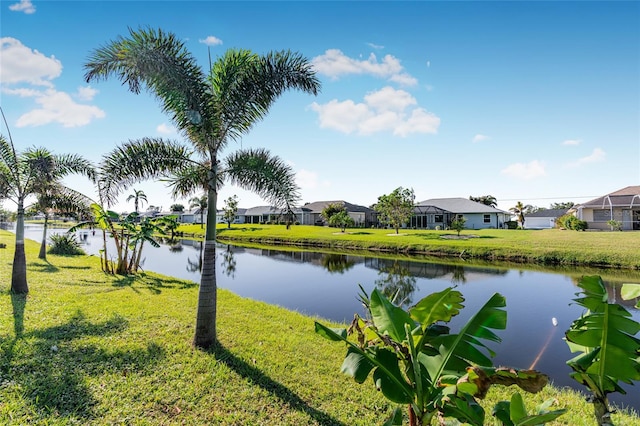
x: 65, y: 244
x: 511, y: 224
x: 569, y: 221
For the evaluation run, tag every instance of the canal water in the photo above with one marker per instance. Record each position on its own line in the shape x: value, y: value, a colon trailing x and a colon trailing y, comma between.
x: 326, y: 285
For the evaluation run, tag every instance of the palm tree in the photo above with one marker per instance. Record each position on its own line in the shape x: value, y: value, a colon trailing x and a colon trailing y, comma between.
x: 211, y: 109
x: 487, y: 200
x: 30, y: 173
x: 519, y: 210
x: 59, y: 198
x: 138, y: 197
x: 200, y: 203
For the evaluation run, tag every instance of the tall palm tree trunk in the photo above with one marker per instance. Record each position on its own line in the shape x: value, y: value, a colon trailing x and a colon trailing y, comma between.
x: 205, y: 336
x: 19, y: 273
x: 43, y: 246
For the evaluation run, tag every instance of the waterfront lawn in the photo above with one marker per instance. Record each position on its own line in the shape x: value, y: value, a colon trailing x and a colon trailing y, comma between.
x: 550, y: 246
x: 87, y: 348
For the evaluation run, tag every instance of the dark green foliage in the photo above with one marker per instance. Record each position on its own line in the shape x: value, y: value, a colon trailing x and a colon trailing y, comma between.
x: 511, y: 224
x: 569, y: 221
x: 65, y: 244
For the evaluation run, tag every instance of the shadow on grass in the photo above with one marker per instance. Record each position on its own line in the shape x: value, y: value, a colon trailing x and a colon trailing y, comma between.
x: 258, y: 378
x: 151, y: 283
x: 43, y: 266
x: 76, y: 267
x: 51, y: 367
x: 360, y: 233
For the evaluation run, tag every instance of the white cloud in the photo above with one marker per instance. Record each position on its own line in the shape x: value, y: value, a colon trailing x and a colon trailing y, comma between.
x: 334, y: 63
x: 306, y: 179
x: 530, y: 170
x: 375, y: 46
x: 571, y: 142
x: 21, y: 64
x: 211, y: 41
x: 23, y: 6
x: 86, y: 93
x: 165, y: 129
x: 385, y: 110
x: 58, y: 107
x: 480, y: 138
x: 598, y: 155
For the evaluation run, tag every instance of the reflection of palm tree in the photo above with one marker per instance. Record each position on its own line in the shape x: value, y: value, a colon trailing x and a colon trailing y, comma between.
x: 336, y: 263
x: 228, y: 263
x: 196, y: 266
x: 457, y: 275
x: 212, y: 109
x: 396, y: 283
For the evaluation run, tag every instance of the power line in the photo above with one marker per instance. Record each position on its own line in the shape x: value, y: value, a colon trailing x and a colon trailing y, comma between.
x: 548, y: 198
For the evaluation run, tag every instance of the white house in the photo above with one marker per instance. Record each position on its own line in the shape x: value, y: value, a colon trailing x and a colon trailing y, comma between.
x: 429, y: 214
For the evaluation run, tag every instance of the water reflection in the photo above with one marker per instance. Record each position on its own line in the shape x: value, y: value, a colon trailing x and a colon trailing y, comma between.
x: 396, y: 282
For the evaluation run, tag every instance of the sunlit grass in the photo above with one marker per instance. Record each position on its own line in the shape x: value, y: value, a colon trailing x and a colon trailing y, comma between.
x: 549, y: 246
x: 87, y: 348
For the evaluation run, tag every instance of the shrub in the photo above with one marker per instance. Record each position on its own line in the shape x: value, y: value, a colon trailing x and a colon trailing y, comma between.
x: 511, y: 224
x: 65, y: 244
x: 569, y: 221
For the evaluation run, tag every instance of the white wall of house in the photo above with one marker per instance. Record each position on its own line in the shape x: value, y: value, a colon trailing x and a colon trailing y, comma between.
x: 539, y: 222
x: 482, y: 220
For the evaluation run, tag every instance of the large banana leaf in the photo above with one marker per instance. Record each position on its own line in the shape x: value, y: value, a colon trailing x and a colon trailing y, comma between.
x: 606, y: 337
x: 457, y: 351
x: 388, y: 318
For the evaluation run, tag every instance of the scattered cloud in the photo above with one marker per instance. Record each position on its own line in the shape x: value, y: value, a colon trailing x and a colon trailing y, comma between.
x: 21, y: 64
x: 375, y: 46
x: 86, y: 93
x: 23, y: 6
x: 211, y: 41
x: 27, y: 73
x: 530, y: 170
x: 571, y: 142
x: 479, y: 138
x: 58, y: 107
x: 428, y: 64
x: 387, y: 109
x: 334, y: 63
x: 597, y: 156
x: 165, y: 129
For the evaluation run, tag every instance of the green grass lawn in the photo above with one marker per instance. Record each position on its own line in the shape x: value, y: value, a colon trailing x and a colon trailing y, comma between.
x: 549, y: 246
x: 87, y: 348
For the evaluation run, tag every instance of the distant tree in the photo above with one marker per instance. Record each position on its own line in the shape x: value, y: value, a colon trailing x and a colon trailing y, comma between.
x: 458, y: 224
x: 139, y: 198
x: 562, y: 206
x: 177, y: 208
x: 230, y: 210
x: 488, y: 200
x: 168, y: 224
x: 341, y: 220
x: 199, y: 203
x: 396, y: 208
x: 519, y: 210
x: 332, y: 209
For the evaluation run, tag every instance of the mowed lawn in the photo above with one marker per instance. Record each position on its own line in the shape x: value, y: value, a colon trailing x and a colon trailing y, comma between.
x: 87, y: 348
x: 548, y: 246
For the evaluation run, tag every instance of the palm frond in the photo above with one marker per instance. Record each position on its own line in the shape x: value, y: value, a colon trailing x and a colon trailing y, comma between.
x: 258, y: 171
x: 138, y: 160
x: 157, y: 60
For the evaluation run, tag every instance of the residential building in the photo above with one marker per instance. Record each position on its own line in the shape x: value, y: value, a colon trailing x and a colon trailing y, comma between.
x: 440, y: 212
x: 622, y: 205
x: 543, y: 219
x: 361, y: 215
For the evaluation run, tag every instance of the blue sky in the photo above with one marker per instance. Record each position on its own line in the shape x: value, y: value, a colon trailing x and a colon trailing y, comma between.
x: 536, y: 102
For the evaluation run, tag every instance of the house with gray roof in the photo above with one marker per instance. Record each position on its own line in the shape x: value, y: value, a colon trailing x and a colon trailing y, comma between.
x: 361, y: 215
x: 622, y: 205
x: 440, y: 212
x: 543, y: 218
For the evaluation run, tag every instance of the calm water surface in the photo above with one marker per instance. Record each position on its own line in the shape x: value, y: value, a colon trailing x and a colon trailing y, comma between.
x: 327, y: 286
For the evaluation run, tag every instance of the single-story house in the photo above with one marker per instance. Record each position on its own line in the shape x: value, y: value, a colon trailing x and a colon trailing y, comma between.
x: 361, y: 215
x: 543, y: 219
x: 239, y: 217
x: 622, y: 205
x: 265, y: 214
x: 440, y: 212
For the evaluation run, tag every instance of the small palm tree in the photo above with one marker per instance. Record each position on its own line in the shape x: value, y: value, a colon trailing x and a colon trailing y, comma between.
x: 211, y: 109
x: 201, y: 204
x: 519, y: 210
x: 31, y: 172
x: 138, y: 197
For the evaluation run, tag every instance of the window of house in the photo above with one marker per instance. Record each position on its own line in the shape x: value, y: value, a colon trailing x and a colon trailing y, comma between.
x: 487, y: 218
x: 438, y: 218
x: 601, y: 215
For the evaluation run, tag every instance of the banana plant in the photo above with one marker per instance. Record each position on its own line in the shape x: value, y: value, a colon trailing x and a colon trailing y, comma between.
x: 514, y: 412
x: 609, y: 351
x: 415, y: 360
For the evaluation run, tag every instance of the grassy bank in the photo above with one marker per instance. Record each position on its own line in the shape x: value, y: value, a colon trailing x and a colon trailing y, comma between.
x: 549, y: 247
x: 87, y: 348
